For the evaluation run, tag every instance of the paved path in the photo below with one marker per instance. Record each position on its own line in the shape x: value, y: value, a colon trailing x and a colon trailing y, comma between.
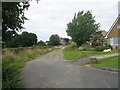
x: 86, y: 60
x: 105, y: 56
x: 51, y: 71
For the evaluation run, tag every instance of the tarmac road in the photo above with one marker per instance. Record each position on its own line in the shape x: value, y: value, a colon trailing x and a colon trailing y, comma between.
x: 51, y: 71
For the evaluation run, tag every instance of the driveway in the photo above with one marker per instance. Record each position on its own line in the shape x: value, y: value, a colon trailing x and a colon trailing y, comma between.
x: 51, y: 71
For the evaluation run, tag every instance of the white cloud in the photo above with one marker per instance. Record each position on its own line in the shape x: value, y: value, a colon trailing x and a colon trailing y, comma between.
x: 51, y: 16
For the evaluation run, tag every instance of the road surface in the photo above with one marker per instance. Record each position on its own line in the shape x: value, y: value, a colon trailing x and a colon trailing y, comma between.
x: 52, y: 71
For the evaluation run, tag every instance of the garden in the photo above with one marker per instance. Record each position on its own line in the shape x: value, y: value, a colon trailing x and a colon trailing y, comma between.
x: 72, y: 52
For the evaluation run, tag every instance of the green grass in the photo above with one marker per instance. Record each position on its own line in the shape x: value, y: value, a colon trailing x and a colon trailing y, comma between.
x: 109, y: 62
x: 74, y: 54
x: 12, y: 65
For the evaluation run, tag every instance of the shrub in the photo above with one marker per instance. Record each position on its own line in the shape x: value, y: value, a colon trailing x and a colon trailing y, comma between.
x: 92, y: 49
x: 68, y: 48
x: 80, y: 49
x: 109, y: 47
x: 71, y: 46
x: 100, y: 48
x: 86, y: 46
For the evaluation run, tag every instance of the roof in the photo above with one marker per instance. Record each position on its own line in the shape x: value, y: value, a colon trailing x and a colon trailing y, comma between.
x: 112, y: 26
x: 66, y: 39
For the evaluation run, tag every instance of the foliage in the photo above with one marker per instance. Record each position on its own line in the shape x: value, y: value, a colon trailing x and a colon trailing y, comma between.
x: 110, y: 47
x: 80, y: 49
x: 12, y: 63
x: 98, y: 39
x: 101, y: 48
x: 41, y: 43
x: 13, y: 17
x: 24, y: 40
x: 71, y: 46
x: 82, y: 27
x: 54, y: 40
x: 86, y: 46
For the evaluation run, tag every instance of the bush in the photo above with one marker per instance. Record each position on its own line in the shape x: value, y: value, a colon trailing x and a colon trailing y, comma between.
x: 100, y: 48
x: 92, y: 49
x: 109, y: 47
x: 71, y: 46
x: 80, y: 49
x: 86, y: 46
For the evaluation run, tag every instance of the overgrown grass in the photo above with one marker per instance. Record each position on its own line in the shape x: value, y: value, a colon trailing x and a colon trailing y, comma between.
x: 12, y: 64
x: 109, y: 62
x: 74, y: 54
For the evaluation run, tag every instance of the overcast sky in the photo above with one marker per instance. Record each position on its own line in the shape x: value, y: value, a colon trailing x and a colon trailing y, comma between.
x: 51, y: 16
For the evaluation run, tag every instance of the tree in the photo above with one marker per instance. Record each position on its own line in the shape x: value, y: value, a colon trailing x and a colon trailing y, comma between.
x: 98, y: 39
x: 24, y: 40
x: 54, y: 40
x: 41, y: 43
x: 13, y: 18
x: 82, y: 27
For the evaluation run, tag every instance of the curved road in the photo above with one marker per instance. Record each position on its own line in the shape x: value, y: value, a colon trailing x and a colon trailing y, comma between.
x: 51, y: 71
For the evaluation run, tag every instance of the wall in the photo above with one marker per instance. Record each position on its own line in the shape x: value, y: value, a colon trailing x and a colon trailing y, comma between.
x: 114, y: 32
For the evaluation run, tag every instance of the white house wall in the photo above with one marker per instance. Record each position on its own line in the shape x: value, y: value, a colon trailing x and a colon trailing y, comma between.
x: 114, y: 41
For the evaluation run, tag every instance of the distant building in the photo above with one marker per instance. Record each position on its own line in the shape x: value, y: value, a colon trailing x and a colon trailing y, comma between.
x: 64, y: 41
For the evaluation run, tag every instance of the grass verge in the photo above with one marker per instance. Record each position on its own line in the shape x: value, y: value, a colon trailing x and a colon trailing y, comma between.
x: 12, y: 65
x: 75, y: 55
x: 109, y: 62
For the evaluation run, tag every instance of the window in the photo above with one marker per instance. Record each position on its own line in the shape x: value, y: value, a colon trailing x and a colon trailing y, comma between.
x: 111, y: 41
x: 115, y: 41
x: 118, y: 26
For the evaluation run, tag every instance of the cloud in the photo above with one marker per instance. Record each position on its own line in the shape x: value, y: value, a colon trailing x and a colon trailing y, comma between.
x: 51, y: 16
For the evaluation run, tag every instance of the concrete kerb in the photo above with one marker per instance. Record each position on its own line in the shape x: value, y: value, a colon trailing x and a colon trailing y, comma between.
x: 107, y: 68
x: 86, y: 60
x: 113, y: 69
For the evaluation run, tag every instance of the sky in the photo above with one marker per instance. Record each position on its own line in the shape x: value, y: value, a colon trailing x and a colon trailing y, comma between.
x: 51, y: 16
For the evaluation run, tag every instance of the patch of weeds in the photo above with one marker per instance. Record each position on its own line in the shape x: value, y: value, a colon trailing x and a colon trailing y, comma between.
x: 12, y: 64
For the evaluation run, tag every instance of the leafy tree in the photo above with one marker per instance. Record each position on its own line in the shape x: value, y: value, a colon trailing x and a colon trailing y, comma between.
x: 98, y: 39
x: 54, y: 40
x: 25, y: 39
x: 82, y: 27
x: 41, y: 43
x: 13, y: 18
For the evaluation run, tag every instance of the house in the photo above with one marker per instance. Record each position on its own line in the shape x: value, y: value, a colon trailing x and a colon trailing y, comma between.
x: 64, y: 41
x: 113, y: 35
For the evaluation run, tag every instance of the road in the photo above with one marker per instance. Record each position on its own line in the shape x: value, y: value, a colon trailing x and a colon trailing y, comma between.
x: 52, y: 71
